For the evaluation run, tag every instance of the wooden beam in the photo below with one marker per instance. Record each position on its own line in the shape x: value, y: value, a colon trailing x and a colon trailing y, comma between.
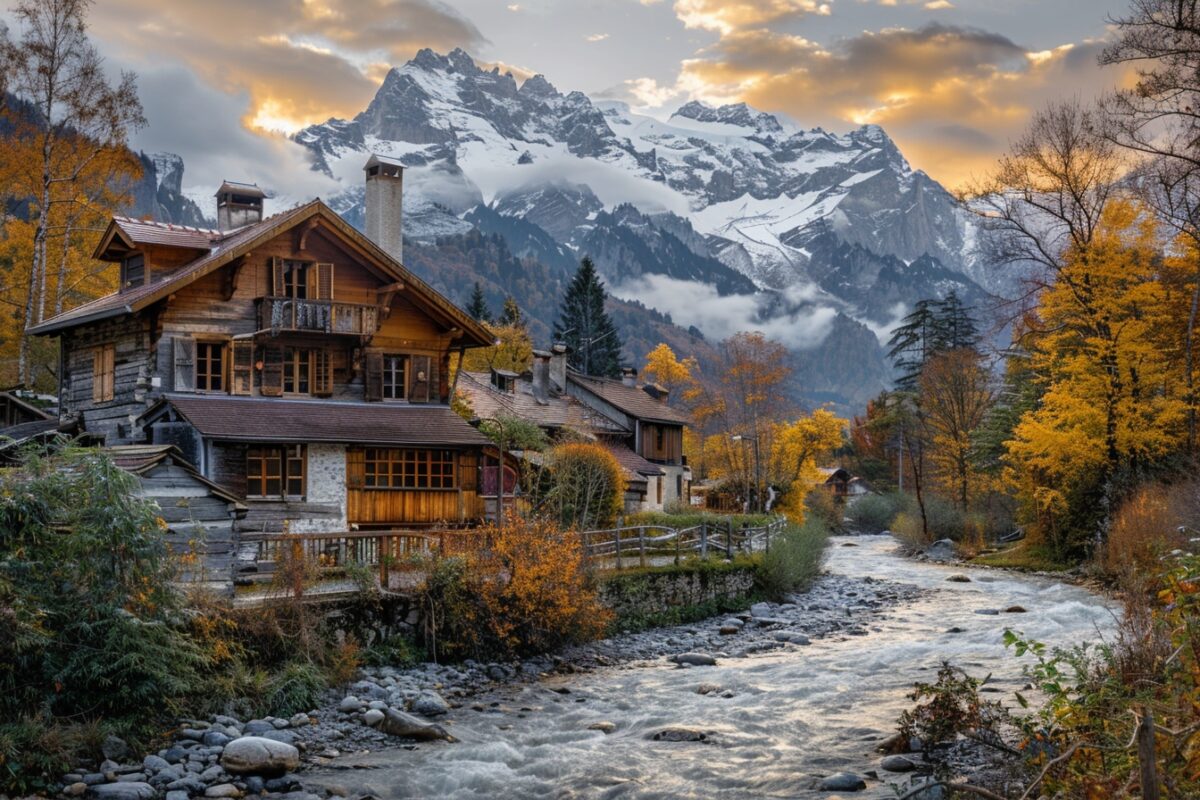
x: 229, y: 281
x: 385, y: 295
x: 304, y: 231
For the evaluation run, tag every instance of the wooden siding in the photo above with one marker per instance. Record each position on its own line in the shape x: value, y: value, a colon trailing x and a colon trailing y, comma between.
x: 412, y: 507
x: 671, y: 451
x: 227, y: 468
x: 133, y: 371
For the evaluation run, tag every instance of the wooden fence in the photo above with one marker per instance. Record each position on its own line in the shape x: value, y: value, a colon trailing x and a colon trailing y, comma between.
x: 395, y: 555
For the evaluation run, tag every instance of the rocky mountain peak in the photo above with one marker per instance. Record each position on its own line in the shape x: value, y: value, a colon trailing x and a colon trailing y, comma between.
x: 738, y: 114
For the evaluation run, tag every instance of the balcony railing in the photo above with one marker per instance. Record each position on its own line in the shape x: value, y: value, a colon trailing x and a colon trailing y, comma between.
x: 286, y: 314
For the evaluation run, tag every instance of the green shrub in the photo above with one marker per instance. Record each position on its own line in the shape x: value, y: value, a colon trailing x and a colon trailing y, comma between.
x: 34, y: 751
x: 394, y: 651
x: 873, y: 513
x: 295, y: 688
x: 794, y: 560
x: 821, y: 505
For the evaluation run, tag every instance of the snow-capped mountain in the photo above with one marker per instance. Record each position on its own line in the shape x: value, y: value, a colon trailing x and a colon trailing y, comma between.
x: 800, y: 227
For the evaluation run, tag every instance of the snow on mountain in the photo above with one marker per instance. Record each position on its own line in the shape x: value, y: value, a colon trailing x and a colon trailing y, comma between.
x: 728, y: 197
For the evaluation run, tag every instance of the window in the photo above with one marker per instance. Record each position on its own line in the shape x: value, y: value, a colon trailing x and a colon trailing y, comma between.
x: 659, y: 483
x: 275, y: 471
x: 133, y: 271
x: 295, y: 280
x: 103, y: 373
x: 660, y: 437
x: 297, y: 371
x: 210, y: 366
x: 391, y: 468
x: 395, y: 377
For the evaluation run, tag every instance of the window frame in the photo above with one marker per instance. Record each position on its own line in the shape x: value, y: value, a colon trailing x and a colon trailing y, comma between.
x: 104, y: 373
x: 409, y: 469
x: 221, y: 348
x: 126, y: 263
x: 389, y: 376
x: 284, y: 464
x: 296, y: 289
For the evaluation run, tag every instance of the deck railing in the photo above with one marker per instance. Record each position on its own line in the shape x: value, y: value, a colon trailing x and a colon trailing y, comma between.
x: 642, y: 545
x: 286, y: 314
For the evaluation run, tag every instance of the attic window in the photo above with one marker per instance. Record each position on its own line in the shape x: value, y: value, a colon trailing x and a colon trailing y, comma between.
x: 504, y: 381
x: 133, y: 271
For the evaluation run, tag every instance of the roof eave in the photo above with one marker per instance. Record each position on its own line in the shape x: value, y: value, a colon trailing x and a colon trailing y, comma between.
x: 50, y: 327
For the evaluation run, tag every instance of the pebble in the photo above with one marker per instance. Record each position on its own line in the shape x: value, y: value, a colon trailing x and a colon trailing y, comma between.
x: 372, y: 717
x: 604, y: 727
x: 1015, y: 610
x: 223, y: 790
x: 674, y: 734
x: 349, y: 704
x: 76, y: 789
x: 843, y: 782
x: 121, y: 791
x: 958, y: 579
x: 694, y: 659
x: 897, y: 764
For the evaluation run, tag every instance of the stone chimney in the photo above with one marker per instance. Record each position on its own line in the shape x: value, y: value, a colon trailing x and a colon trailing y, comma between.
x: 558, y: 367
x: 239, y: 205
x: 629, y: 376
x: 657, y: 391
x: 385, y: 208
x: 541, y: 376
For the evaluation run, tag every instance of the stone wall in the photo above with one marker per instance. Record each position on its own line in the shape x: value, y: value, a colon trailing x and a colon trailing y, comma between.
x: 666, y: 595
x: 326, y: 486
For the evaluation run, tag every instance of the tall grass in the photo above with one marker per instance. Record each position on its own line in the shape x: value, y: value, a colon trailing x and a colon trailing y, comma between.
x: 794, y: 560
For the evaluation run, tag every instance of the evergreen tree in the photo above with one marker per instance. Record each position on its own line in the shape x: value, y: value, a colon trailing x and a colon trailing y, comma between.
x: 478, y: 308
x: 913, y: 343
x: 511, y: 316
x: 585, y: 327
x: 954, y: 328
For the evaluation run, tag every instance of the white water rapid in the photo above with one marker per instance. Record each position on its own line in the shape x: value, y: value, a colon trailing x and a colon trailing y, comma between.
x: 795, y: 715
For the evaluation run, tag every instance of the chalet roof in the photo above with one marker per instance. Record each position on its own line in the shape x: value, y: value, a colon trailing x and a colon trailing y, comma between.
x: 254, y: 419
x: 632, y: 400
x: 558, y: 411
x: 133, y: 232
x: 237, y: 243
x: 140, y: 459
x: 631, y: 462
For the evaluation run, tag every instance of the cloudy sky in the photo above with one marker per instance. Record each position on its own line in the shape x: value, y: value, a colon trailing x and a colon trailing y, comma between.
x: 951, y: 80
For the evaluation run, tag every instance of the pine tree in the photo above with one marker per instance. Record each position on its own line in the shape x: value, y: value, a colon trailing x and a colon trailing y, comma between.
x: 478, y: 308
x: 953, y: 327
x: 511, y: 316
x: 585, y: 327
x: 913, y: 343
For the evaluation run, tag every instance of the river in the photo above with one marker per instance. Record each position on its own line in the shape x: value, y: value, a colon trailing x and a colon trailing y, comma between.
x: 794, y: 715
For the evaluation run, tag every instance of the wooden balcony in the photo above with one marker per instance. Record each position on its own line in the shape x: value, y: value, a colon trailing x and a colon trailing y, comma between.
x: 287, y: 315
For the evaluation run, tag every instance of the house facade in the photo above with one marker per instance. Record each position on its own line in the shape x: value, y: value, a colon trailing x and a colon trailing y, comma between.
x: 292, y: 360
x: 634, y: 421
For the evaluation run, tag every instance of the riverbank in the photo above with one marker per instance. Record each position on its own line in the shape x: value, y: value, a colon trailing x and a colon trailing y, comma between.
x: 351, y: 722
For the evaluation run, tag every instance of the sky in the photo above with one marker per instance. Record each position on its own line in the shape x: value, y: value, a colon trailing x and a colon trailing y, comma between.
x: 952, y: 81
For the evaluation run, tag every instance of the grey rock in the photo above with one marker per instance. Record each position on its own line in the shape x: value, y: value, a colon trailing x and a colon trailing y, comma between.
x: 155, y: 764
x: 211, y: 774
x: 75, y: 789
x: 92, y: 778
x: 260, y: 756
x: 299, y: 720
x: 215, y: 739
x: 398, y: 723
x: 173, y: 755
x: 958, y: 579
x: 728, y: 630
x: 941, y: 550
x: 1015, y: 610
x: 121, y: 791
x: 897, y: 764
x: 372, y: 717
x: 177, y: 794
x: 257, y: 726
x: 287, y: 737
x: 188, y: 783
x: 284, y: 783
x: 223, y: 790
x: 676, y: 734
x: 843, y: 782
x: 604, y: 727
x: 987, y: 612
x: 694, y: 659
x: 429, y: 704
x: 349, y: 704
x: 132, y: 777
x: 254, y: 784
x: 114, y: 748
x: 761, y: 610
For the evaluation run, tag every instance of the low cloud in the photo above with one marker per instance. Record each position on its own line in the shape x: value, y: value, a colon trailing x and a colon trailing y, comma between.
x: 720, y: 316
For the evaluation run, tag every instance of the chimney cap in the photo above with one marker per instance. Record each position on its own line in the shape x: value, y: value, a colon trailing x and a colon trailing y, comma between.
x: 377, y: 160
x: 239, y: 188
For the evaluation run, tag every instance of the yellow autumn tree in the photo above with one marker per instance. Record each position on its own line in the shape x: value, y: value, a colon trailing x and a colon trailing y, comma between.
x: 1112, y: 396
x: 513, y: 350
x: 798, y: 448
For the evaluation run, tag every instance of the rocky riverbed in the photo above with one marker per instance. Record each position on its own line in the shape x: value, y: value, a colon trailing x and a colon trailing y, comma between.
x: 782, y: 700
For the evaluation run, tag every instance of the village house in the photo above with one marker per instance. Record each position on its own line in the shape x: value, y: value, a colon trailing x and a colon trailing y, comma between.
x: 634, y: 421
x: 290, y: 362
x: 843, y: 485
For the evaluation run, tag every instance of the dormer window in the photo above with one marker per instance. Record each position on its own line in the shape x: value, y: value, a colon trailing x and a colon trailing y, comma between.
x: 133, y: 271
x: 504, y: 380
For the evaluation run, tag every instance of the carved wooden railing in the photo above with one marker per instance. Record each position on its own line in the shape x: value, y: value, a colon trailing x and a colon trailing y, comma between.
x: 286, y: 314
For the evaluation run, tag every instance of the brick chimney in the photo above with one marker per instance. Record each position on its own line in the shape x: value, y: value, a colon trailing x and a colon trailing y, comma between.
x: 629, y: 376
x: 238, y: 205
x: 558, y: 367
x: 385, y: 206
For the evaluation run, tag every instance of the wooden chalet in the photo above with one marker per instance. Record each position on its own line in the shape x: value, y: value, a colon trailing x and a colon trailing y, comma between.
x: 291, y: 361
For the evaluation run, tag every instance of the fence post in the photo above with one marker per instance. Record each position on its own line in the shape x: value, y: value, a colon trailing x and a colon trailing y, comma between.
x: 678, y: 536
x: 385, y: 552
x: 767, y: 541
x: 587, y: 550
x: 642, y: 545
x: 1146, y: 755
x: 729, y: 539
x: 703, y: 540
x: 617, y: 533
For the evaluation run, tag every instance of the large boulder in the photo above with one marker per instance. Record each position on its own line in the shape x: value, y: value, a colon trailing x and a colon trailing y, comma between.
x: 126, y: 790
x: 941, y: 550
x: 398, y: 723
x: 843, y: 782
x: 695, y: 659
x: 258, y: 755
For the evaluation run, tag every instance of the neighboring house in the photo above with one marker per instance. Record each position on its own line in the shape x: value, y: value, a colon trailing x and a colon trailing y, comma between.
x: 294, y: 362
x: 200, y: 517
x: 842, y: 484
x: 643, y: 432
x: 16, y: 408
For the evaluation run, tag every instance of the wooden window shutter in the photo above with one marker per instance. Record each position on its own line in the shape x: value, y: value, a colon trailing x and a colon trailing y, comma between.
x: 322, y: 377
x: 185, y: 364
x: 103, y: 373
x: 242, y: 380
x: 277, y: 289
x: 418, y: 379
x: 271, y: 381
x: 322, y: 281
x: 373, y: 376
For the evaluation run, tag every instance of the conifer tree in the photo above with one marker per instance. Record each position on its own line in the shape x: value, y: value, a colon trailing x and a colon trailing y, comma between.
x: 511, y: 316
x: 913, y: 343
x: 585, y: 327
x: 954, y: 327
x: 478, y: 308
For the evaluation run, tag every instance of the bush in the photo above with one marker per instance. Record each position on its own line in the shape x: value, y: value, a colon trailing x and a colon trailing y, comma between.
x: 821, y: 505
x: 295, y: 688
x: 587, y: 486
x: 1155, y: 520
x: 794, y: 559
x: 528, y: 593
x: 873, y: 513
